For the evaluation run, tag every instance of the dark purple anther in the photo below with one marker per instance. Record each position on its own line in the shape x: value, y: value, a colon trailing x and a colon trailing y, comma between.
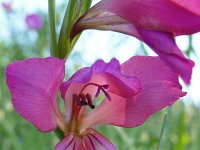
x: 89, y: 98
x: 106, y: 86
x: 83, y: 99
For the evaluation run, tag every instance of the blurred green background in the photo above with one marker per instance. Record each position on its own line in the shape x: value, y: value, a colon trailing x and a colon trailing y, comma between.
x: 17, y: 42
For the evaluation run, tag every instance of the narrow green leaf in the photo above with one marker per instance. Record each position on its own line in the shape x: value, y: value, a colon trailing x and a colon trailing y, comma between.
x: 161, y: 133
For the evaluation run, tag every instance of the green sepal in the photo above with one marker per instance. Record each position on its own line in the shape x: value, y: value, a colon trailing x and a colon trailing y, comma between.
x: 59, y: 133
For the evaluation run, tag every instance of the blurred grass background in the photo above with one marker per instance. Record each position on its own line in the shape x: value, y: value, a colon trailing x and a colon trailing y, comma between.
x: 181, y: 128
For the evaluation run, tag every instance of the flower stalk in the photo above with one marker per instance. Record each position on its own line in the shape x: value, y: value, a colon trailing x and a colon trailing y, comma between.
x: 162, y: 130
x: 52, y: 30
x: 74, y: 10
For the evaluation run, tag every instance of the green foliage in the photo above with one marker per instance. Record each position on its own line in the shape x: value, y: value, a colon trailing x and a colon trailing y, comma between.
x: 75, y: 9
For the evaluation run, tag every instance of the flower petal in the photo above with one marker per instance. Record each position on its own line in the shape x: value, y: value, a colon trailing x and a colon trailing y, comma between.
x: 91, y: 140
x: 160, y: 88
x: 105, y: 73
x: 154, y: 22
x: 191, y: 5
x: 34, y: 21
x: 95, y: 141
x: 100, y: 73
x: 119, y: 84
x: 33, y: 84
x: 165, y: 15
x: 164, y: 45
x: 66, y: 143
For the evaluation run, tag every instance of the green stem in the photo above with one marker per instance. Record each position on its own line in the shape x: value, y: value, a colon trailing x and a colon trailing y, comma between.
x: 53, y: 39
x: 64, y: 38
x: 74, y: 10
x: 163, y: 125
x: 53, y: 45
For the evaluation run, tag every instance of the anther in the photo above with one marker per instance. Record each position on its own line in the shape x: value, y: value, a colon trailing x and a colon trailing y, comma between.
x: 98, y: 92
x: 106, y: 86
x: 89, y: 98
x: 83, y: 99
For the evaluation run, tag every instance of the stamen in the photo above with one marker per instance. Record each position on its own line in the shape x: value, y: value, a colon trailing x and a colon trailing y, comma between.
x: 98, y: 92
x: 89, y: 98
x: 83, y: 99
x: 76, y: 98
x: 106, y: 94
x: 106, y: 86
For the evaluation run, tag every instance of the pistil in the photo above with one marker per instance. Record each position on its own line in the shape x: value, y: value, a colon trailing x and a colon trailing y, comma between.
x: 82, y: 99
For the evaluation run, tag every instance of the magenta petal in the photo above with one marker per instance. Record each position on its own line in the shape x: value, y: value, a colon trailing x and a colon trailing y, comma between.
x: 154, y: 22
x: 191, y: 5
x: 95, y: 141
x: 164, y: 45
x: 34, y: 21
x: 179, y: 16
x: 71, y: 142
x: 81, y: 76
x: 91, y: 140
x: 100, y: 73
x: 160, y: 88
x: 105, y: 73
x: 33, y: 84
x: 66, y: 143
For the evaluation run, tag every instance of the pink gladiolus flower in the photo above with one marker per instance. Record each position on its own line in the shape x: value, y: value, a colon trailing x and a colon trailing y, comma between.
x: 154, y: 22
x: 34, y: 21
x: 7, y: 6
x: 133, y: 92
